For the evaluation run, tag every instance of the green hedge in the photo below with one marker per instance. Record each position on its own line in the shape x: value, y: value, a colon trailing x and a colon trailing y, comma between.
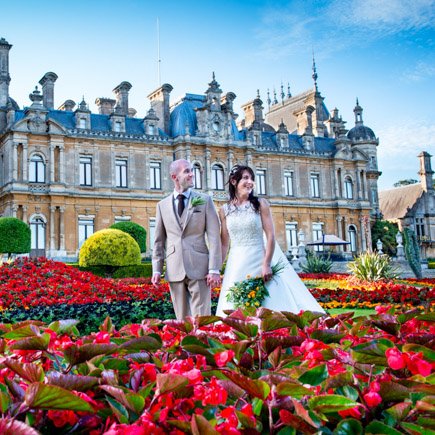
x: 135, y: 230
x: 15, y: 236
x: 143, y: 270
x: 431, y: 264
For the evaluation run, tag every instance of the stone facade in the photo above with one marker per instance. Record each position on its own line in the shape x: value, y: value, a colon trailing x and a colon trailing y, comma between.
x: 413, y: 206
x: 69, y: 172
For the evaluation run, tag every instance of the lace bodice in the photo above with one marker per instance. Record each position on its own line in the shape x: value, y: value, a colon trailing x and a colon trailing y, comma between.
x: 244, y: 226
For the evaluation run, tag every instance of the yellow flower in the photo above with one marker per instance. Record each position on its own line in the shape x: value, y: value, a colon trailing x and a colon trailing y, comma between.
x: 257, y: 304
x: 247, y: 304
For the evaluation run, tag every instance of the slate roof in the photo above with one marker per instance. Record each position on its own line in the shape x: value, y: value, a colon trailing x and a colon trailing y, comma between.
x: 396, y: 203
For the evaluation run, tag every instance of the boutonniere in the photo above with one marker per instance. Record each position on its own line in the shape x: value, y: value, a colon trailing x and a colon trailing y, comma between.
x: 197, y: 200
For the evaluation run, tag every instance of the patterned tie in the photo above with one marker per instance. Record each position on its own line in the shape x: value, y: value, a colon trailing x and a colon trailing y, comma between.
x: 180, y: 198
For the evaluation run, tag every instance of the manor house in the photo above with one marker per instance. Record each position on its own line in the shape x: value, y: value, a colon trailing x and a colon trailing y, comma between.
x: 68, y: 172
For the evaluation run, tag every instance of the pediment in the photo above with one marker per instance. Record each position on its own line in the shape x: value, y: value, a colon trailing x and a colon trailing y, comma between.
x: 55, y: 128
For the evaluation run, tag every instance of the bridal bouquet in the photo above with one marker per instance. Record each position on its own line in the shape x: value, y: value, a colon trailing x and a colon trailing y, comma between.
x: 251, y: 291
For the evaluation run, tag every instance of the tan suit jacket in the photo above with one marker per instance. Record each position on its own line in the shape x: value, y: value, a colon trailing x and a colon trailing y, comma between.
x: 182, y: 242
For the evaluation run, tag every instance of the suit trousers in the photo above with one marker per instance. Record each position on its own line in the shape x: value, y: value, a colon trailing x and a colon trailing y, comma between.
x: 190, y: 297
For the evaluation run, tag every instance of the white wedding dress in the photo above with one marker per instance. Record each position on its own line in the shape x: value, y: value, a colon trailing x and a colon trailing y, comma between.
x: 286, y: 290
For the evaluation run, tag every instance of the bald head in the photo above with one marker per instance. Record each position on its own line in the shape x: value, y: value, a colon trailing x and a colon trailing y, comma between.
x: 181, y: 174
x: 176, y: 166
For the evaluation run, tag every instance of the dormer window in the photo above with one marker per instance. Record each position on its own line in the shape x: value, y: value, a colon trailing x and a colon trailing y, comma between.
x: 117, y: 127
x: 82, y: 123
x: 151, y: 130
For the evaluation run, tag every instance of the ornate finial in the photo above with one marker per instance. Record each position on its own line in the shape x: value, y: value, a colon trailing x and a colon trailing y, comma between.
x: 213, y: 76
x: 289, y: 94
x: 357, y: 102
x: 315, y: 73
x: 275, y: 101
x: 282, y: 93
x: 258, y: 93
x: 35, y: 96
x: 268, y: 98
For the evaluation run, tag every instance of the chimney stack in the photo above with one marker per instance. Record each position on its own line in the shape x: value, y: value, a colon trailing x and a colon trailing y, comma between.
x: 105, y: 105
x: 426, y: 173
x: 160, y: 104
x: 121, y: 93
x: 47, y: 83
x: 5, y: 78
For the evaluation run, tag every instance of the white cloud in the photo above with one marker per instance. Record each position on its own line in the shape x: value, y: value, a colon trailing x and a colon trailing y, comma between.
x: 419, y: 72
x: 331, y: 26
x: 399, y: 147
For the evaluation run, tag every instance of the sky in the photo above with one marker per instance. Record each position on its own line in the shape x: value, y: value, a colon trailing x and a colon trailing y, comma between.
x: 379, y: 51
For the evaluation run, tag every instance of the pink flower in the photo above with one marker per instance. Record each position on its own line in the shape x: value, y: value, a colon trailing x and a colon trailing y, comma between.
x: 395, y: 358
x: 418, y: 366
x: 222, y: 358
x: 372, y: 399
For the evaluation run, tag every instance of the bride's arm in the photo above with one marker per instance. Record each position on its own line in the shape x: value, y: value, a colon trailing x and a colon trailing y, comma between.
x: 267, y: 222
x: 225, y: 237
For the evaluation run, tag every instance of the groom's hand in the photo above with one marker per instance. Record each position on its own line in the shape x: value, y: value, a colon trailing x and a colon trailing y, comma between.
x: 213, y: 280
x: 155, y: 280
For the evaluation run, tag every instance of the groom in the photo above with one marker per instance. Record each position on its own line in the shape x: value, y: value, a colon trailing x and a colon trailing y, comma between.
x: 183, y: 220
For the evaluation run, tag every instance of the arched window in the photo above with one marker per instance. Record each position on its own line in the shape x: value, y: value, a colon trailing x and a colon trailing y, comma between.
x: 217, y: 177
x: 198, y: 176
x: 37, y: 169
x: 348, y: 188
x: 352, y: 238
x: 37, y: 230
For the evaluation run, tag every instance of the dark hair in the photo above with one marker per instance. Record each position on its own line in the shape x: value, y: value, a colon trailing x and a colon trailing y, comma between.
x: 236, y: 175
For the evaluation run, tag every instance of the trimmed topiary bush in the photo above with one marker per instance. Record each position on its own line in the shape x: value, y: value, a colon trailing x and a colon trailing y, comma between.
x: 15, y: 236
x: 109, y: 247
x: 135, y: 230
x: 144, y: 270
x: 412, y: 251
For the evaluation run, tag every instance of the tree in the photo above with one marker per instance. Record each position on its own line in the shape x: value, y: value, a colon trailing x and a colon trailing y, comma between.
x: 385, y: 231
x: 15, y: 236
x: 135, y: 230
x: 405, y: 182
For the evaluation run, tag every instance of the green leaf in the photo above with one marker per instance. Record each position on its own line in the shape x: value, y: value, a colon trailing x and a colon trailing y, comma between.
x: 15, y: 427
x: 387, y: 323
x: 44, y: 396
x: 399, y: 411
x: 136, y: 402
x: 427, y: 317
x: 271, y: 343
x: 393, y: 392
x: 28, y: 371
x: 255, y: 388
x: 5, y: 401
x: 429, y: 354
x: 339, y: 380
x: 72, y: 382
x: 372, y: 352
x: 119, y: 410
x: 77, y: 354
x: 40, y: 342
x: 273, y: 320
x: 142, y: 343
x: 257, y: 405
x: 350, y: 426
x: 378, y: 428
x: 206, y: 320
x: 327, y: 335
x: 170, y: 382
x: 293, y: 389
x: 201, y: 426
x: 314, y: 376
x: 243, y: 326
x: 23, y: 332
x: 67, y: 326
x: 416, y: 429
x: 331, y: 403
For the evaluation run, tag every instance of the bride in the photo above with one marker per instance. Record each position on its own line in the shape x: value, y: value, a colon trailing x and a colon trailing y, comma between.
x: 243, y: 220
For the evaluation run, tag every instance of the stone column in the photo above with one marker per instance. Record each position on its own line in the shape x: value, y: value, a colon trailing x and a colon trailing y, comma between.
x: 362, y: 234
x: 25, y: 214
x: 14, y: 210
x: 249, y: 158
x: 14, y: 162
x: 340, y: 230
x: 61, y: 164
x: 25, y: 162
x: 62, y: 228
x: 52, y: 164
x: 207, y: 177
x: 188, y: 153
x: 52, y: 229
x: 230, y: 156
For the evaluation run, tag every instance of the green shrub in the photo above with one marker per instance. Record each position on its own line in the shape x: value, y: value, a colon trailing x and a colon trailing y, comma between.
x: 317, y: 263
x: 109, y: 247
x: 385, y: 231
x: 372, y: 266
x: 135, y: 230
x: 15, y: 236
x: 431, y: 264
x: 412, y: 251
x: 144, y: 270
